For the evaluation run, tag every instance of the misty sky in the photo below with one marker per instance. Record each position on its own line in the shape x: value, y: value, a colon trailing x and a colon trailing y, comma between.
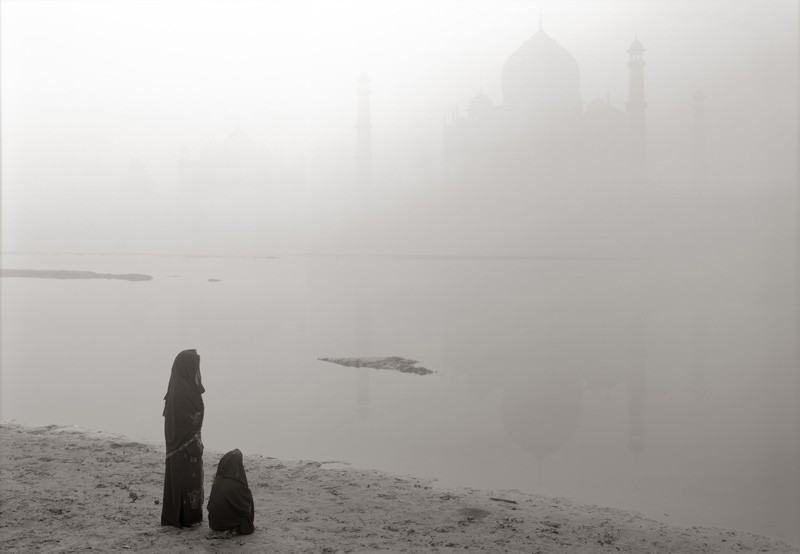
x: 89, y: 86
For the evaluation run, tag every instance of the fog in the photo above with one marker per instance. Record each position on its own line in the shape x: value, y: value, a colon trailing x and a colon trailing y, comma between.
x: 105, y: 105
x: 582, y: 216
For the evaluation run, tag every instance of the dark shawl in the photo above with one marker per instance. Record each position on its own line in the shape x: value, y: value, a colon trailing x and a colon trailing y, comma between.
x: 183, y: 406
x: 230, y: 504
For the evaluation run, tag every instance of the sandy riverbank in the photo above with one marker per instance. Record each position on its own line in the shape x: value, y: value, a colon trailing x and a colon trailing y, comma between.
x: 68, y: 490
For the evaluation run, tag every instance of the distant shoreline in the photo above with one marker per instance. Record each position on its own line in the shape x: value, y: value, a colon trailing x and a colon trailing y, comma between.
x: 351, y: 255
x: 75, y: 489
x: 70, y: 274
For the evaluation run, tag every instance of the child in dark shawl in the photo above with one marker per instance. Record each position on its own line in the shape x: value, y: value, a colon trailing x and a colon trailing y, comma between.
x: 230, y: 505
x: 183, y: 420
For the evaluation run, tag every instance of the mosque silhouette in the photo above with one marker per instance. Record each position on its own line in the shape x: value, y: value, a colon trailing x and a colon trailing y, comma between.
x: 541, y: 134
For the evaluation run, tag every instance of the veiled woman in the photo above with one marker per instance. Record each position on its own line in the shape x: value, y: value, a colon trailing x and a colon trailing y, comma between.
x: 183, y: 420
x: 230, y: 504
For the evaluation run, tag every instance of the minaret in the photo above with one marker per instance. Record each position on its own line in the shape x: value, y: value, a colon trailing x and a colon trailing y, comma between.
x: 699, y: 140
x: 636, y: 106
x: 363, y: 138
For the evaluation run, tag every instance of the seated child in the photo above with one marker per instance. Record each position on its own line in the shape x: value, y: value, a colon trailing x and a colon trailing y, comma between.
x: 230, y: 505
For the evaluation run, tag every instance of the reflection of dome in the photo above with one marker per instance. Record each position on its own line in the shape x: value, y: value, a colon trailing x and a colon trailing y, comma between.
x: 608, y: 347
x: 480, y: 106
x: 541, y: 76
x: 541, y: 414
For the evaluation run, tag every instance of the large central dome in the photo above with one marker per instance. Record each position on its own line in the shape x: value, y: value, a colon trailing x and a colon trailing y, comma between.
x: 541, y: 79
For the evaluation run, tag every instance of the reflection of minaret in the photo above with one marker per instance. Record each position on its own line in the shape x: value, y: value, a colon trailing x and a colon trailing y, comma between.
x: 636, y: 392
x: 363, y: 339
x: 636, y: 106
x: 699, y: 140
x: 699, y: 348
x: 362, y: 393
x: 363, y: 138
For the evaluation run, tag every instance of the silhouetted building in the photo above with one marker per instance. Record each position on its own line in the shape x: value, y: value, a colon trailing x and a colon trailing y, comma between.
x: 237, y: 163
x: 541, y: 135
x: 363, y: 135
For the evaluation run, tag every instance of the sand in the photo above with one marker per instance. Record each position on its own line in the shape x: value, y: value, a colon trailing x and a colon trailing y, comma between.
x: 64, y: 489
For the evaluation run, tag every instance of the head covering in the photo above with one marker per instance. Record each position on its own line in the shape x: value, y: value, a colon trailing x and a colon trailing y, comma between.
x: 230, y: 505
x: 186, y: 369
x: 231, y: 466
x: 183, y: 403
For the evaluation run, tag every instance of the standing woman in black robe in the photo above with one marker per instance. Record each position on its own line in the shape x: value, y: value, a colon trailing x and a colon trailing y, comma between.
x: 183, y: 420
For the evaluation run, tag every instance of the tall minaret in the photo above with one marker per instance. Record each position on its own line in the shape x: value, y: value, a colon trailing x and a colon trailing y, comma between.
x: 636, y: 106
x: 699, y: 140
x: 363, y: 139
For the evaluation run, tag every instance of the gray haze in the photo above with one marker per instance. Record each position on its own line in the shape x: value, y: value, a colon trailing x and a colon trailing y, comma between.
x: 582, y: 216
x: 104, y: 105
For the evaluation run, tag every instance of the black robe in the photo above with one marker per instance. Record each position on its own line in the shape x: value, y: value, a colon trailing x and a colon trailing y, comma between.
x: 230, y: 504
x: 183, y: 419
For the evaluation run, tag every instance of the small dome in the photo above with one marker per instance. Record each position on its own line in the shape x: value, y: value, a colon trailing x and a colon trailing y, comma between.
x: 597, y: 108
x: 480, y: 106
x: 636, y: 47
x: 541, y: 410
x: 238, y: 143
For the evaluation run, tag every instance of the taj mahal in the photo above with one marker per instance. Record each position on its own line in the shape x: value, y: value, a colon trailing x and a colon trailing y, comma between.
x: 542, y: 131
x: 543, y: 134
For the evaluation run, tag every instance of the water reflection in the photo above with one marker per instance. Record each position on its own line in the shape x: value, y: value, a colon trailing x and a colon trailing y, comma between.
x: 631, y: 384
x: 541, y: 410
x: 636, y: 398
x: 699, y: 347
x: 541, y: 335
x: 363, y: 344
x: 362, y: 393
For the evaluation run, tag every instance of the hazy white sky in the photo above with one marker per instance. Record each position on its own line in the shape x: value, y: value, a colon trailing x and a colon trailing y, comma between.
x: 87, y: 86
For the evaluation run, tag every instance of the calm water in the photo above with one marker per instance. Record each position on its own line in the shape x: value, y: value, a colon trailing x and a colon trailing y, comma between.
x: 666, y: 386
